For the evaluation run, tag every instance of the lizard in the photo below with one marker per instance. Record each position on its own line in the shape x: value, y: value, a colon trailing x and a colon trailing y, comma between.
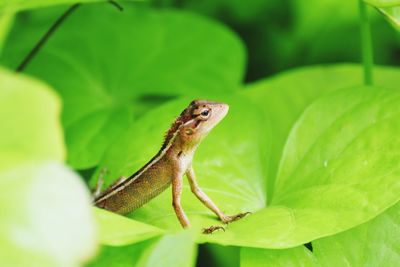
x: 168, y: 166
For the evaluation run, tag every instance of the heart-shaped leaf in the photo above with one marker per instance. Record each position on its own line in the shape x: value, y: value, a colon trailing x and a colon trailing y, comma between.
x: 283, y: 98
x: 338, y: 170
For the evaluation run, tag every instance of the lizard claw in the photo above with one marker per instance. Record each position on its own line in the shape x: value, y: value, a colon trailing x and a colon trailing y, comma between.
x: 212, y: 229
x: 229, y: 219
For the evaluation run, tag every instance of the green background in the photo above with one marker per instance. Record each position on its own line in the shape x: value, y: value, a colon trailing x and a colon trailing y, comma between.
x: 307, y: 147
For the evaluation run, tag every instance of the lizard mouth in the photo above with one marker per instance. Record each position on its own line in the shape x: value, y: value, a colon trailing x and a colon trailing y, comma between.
x: 221, y: 110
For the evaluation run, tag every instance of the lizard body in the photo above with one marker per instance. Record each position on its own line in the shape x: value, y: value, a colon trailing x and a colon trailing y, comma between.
x: 171, y: 163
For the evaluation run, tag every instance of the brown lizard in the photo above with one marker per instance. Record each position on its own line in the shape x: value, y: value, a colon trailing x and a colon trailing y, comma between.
x: 168, y: 166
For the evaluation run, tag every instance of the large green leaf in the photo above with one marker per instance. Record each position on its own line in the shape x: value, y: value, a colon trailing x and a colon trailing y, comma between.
x: 383, y: 3
x: 339, y: 159
x: 116, y: 230
x: 99, y: 80
x: 29, y: 114
x: 338, y: 170
x: 169, y: 251
x: 46, y: 217
x: 284, y: 97
x: 375, y: 243
x: 228, y: 166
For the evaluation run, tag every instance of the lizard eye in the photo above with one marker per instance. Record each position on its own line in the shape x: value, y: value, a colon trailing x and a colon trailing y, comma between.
x: 205, y: 113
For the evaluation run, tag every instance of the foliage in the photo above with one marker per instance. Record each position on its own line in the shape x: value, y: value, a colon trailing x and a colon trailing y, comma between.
x: 374, y: 243
x: 45, y: 207
x: 311, y: 152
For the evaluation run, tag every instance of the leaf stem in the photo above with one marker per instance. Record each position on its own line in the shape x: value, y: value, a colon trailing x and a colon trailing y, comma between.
x: 366, y: 44
x: 51, y: 31
x: 45, y: 37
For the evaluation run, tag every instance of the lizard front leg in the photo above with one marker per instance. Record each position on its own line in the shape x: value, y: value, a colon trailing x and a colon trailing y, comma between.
x: 207, y: 201
x: 176, y: 200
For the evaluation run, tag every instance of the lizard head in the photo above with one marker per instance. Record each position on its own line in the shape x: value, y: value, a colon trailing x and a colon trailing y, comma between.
x: 201, y: 117
x: 195, y: 122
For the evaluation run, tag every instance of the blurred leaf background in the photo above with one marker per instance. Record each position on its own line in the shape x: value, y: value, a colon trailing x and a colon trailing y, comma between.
x: 307, y: 147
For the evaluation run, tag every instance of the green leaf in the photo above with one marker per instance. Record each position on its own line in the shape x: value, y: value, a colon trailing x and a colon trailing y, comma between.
x: 389, y: 8
x: 227, y: 165
x: 6, y: 20
x: 338, y: 170
x: 375, y: 243
x: 29, y: 113
x: 120, y: 256
x: 46, y: 217
x: 171, y: 250
x: 383, y: 3
x: 117, y: 230
x: 339, y: 159
x: 392, y: 14
x: 296, y: 257
x: 312, y: 16
x: 221, y: 256
x: 284, y: 97
x: 102, y: 81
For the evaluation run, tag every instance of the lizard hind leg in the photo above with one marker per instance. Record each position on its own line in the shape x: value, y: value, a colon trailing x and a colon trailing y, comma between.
x: 99, y: 183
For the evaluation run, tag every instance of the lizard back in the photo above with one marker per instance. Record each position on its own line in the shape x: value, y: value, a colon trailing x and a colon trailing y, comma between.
x: 138, y: 189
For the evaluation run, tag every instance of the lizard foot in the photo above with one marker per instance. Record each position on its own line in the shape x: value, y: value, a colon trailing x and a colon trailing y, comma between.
x: 229, y: 219
x: 212, y: 229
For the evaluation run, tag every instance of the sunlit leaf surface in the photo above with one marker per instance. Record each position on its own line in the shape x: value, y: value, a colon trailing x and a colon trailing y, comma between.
x: 284, y: 97
x: 29, y: 115
x: 46, y: 217
x: 118, y: 230
x: 375, y: 243
x: 340, y: 157
x: 171, y: 250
